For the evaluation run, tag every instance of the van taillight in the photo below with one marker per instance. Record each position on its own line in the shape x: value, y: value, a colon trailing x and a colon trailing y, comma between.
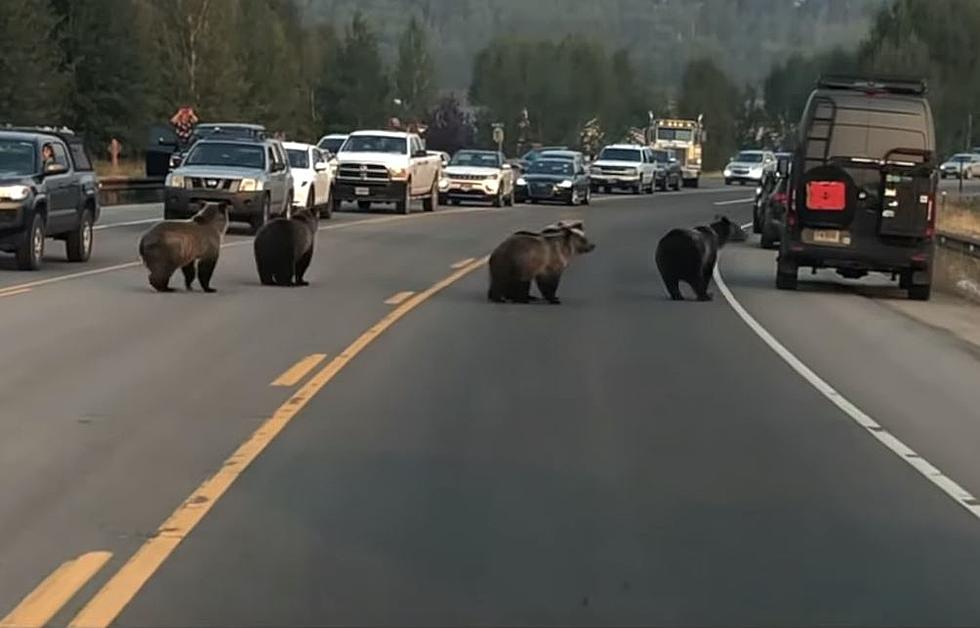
x: 826, y: 196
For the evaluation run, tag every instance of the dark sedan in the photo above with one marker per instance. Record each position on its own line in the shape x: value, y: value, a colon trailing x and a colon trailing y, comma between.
x: 554, y: 180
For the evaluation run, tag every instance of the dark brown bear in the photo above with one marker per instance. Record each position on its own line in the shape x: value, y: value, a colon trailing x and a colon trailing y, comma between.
x: 190, y: 245
x: 284, y: 249
x: 689, y: 255
x: 541, y: 257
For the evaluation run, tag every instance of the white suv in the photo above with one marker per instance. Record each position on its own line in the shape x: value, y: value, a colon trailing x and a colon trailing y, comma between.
x: 624, y: 166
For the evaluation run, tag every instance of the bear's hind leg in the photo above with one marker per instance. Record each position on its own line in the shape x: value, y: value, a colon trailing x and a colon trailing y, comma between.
x: 205, y: 268
x: 190, y: 274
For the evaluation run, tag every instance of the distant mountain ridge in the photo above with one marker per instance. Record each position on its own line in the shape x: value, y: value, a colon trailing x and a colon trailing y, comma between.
x: 744, y: 36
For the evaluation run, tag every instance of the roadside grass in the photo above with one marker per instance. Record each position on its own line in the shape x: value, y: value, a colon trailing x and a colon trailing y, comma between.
x: 960, y: 217
x: 126, y: 168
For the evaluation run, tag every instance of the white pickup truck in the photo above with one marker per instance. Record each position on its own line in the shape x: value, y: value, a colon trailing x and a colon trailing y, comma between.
x: 386, y: 167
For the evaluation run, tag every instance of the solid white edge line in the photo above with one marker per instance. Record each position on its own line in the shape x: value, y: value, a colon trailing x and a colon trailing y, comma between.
x: 946, y: 484
x: 735, y: 202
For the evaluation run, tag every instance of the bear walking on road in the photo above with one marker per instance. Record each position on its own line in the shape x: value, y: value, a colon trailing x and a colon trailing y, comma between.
x: 284, y: 249
x: 190, y: 245
x: 526, y: 256
x: 689, y: 255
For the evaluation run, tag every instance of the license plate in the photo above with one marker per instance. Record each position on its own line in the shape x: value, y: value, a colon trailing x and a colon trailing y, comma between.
x: 362, y: 191
x: 826, y: 236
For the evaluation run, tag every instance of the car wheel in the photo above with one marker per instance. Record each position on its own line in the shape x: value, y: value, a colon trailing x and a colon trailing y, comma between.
x: 404, y: 206
x: 767, y: 241
x: 326, y: 210
x: 920, y: 292
x: 653, y: 186
x: 786, y: 277
x: 287, y: 207
x: 31, y: 249
x: 498, y: 200
x: 259, y: 221
x: 78, y: 245
x: 429, y: 204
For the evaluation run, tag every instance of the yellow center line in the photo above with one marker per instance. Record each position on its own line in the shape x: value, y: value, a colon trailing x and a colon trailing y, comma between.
x: 10, y: 293
x: 462, y: 262
x: 47, y: 598
x: 399, y: 298
x: 299, y: 370
x: 112, y: 598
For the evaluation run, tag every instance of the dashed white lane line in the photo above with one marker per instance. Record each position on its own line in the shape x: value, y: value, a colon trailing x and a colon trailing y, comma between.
x: 737, y: 201
x: 129, y: 223
x: 956, y: 492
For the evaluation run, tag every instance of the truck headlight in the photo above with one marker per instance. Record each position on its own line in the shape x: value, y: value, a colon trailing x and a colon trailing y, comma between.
x: 175, y: 181
x: 443, y: 184
x: 15, y: 192
x: 250, y: 185
x: 398, y: 174
x: 521, y: 181
x: 566, y: 184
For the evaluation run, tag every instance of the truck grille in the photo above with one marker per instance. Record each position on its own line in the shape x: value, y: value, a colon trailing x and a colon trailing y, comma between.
x: 212, y: 183
x: 363, y: 173
x: 614, y: 170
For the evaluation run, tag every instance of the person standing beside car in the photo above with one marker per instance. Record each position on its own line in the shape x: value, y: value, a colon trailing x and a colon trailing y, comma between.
x: 183, y: 122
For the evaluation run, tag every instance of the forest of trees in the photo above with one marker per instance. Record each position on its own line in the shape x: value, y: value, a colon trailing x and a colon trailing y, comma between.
x: 113, y: 68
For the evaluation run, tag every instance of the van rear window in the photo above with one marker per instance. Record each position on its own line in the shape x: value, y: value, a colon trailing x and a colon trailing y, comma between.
x: 826, y: 195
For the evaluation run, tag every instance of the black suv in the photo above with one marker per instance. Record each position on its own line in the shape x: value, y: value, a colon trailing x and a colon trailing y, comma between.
x: 175, y: 153
x: 47, y: 189
x: 863, y: 183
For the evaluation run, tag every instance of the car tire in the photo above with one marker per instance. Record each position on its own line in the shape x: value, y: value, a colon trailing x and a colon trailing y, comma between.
x: 30, y: 253
x: 259, y: 221
x: 786, y: 279
x: 430, y: 202
x: 920, y: 292
x: 78, y: 244
x: 695, y: 183
x: 404, y: 206
x: 287, y: 207
x: 678, y: 184
x: 498, y: 200
x: 326, y: 210
x: 767, y: 241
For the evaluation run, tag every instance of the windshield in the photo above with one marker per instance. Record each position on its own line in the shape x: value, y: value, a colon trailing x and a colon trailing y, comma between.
x: 551, y: 166
x: 962, y: 158
x: 16, y: 157
x: 482, y: 160
x: 234, y: 155
x: 748, y: 158
x: 332, y: 144
x: 376, y: 144
x: 621, y: 154
x: 674, y: 135
x: 298, y: 158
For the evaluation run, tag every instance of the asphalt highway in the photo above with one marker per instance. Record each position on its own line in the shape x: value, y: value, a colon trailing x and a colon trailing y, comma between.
x: 385, y: 447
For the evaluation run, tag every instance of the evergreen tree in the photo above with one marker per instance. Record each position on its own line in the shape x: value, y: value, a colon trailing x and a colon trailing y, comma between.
x: 363, y: 97
x: 706, y: 90
x: 415, y: 75
x: 32, y: 85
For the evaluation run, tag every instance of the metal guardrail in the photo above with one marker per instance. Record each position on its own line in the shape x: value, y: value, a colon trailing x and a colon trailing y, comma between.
x: 125, y: 190
x: 964, y: 244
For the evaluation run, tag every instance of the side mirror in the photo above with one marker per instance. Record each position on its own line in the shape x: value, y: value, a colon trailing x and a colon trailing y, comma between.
x: 55, y: 168
x: 321, y: 166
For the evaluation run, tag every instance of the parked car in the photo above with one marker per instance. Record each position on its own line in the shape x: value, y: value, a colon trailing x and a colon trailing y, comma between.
x: 624, y: 166
x: 480, y: 175
x: 386, y: 167
x: 555, y: 180
x: 212, y: 130
x: 48, y: 189
x: 252, y: 175
x: 311, y: 177
x: 749, y: 166
x: 669, y: 174
x: 863, y: 184
x: 966, y: 165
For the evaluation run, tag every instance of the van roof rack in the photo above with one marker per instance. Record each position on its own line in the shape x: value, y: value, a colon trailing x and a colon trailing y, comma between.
x: 869, y: 83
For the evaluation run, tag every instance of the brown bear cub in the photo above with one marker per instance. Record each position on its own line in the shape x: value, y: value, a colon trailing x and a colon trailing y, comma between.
x: 689, y: 255
x: 284, y: 249
x: 190, y: 245
x: 527, y: 256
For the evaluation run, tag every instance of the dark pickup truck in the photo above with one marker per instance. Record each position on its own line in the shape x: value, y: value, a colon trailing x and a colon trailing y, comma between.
x: 48, y: 189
